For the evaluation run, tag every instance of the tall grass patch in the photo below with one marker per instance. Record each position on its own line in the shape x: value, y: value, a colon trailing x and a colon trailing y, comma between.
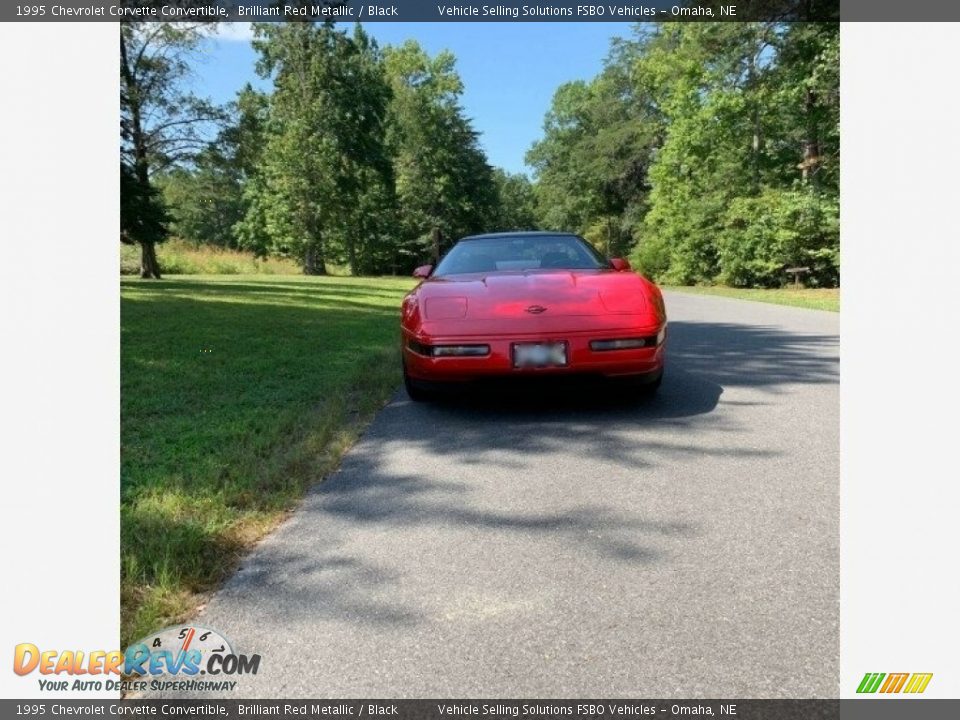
x: 182, y: 257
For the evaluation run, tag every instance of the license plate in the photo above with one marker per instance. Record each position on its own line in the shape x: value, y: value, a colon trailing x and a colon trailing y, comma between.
x: 545, y: 354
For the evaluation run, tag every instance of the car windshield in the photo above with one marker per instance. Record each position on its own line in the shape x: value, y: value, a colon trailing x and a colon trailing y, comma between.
x: 520, y: 252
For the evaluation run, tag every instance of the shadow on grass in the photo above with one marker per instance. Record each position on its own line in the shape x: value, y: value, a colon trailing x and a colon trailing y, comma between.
x: 308, y: 288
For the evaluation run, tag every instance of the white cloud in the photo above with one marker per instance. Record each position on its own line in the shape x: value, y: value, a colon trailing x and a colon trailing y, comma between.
x: 233, y: 32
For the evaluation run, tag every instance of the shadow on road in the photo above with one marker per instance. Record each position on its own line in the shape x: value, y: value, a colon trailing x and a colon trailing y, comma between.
x: 731, y: 354
x: 702, y: 359
x: 549, y: 471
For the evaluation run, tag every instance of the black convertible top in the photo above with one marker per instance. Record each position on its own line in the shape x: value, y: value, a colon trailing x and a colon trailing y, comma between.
x: 519, y: 233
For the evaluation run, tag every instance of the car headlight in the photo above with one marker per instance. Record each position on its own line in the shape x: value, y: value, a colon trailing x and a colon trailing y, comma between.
x: 445, y: 308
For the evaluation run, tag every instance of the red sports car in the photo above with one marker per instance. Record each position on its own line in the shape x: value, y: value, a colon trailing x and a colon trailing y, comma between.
x: 528, y: 304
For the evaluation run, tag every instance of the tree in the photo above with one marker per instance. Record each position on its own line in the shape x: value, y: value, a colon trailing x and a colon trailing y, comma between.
x: 566, y: 200
x: 591, y: 165
x: 445, y: 186
x: 705, y: 84
x: 516, y: 204
x: 356, y: 157
x: 794, y: 219
x: 744, y: 183
x: 160, y: 124
x: 142, y: 213
x: 323, y: 143
x: 205, y: 201
x: 366, y: 181
x: 246, y: 136
x: 711, y: 149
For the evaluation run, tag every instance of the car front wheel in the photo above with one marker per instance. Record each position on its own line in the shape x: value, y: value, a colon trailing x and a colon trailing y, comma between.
x: 415, y: 391
x: 644, y: 387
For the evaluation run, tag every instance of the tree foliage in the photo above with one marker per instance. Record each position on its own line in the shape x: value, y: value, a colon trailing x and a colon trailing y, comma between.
x: 710, y: 149
x: 143, y: 215
x: 366, y: 158
x: 706, y: 152
x: 206, y: 200
x: 445, y: 187
x: 323, y: 149
x: 515, y: 205
x: 593, y: 160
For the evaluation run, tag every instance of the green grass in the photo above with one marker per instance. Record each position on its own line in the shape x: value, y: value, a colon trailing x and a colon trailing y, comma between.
x: 181, y: 257
x: 238, y: 392
x: 812, y: 298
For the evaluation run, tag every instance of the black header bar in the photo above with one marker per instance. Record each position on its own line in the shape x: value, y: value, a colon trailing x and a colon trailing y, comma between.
x: 431, y: 10
x: 479, y: 10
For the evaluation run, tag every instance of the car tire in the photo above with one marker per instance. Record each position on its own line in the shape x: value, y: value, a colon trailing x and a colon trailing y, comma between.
x: 414, y: 391
x: 643, y: 388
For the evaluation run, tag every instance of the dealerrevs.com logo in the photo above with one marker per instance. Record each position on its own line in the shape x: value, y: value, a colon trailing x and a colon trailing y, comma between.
x: 173, y: 659
x: 911, y: 683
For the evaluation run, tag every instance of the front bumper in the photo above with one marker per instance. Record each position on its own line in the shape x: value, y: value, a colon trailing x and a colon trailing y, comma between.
x: 581, y: 359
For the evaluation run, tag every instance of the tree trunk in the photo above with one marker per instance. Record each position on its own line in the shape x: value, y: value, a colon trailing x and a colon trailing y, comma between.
x: 811, y: 145
x: 756, y: 152
x: 313, y: 263
x: 435, y: 236
x: 352, y: 260
x: 757, y: 141
x: 313, y: 256
x: 149, y: 267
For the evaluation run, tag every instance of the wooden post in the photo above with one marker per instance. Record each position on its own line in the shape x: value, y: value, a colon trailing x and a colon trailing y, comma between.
x: 797, y: 272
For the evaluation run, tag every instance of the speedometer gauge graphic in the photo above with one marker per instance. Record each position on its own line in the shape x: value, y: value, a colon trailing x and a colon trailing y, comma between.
x: 173, y: 647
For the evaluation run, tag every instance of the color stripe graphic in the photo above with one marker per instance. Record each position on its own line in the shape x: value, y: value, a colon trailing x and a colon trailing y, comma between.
x: 894, y: 682
x: 918, y: 683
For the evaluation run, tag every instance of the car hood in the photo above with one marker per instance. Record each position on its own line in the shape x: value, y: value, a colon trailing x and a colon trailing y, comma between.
x: 546, y: 294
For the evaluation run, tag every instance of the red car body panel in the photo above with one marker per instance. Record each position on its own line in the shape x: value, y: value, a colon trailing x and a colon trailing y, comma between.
x: 501, y: 308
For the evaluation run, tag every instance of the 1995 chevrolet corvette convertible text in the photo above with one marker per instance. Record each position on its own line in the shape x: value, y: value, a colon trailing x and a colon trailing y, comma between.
x: 529, y: 304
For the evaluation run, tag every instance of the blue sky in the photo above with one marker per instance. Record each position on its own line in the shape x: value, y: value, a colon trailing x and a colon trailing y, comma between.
x: 510, y: 70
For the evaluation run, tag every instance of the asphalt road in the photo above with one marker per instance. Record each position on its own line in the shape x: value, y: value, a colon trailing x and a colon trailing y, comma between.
x: 682, y: 547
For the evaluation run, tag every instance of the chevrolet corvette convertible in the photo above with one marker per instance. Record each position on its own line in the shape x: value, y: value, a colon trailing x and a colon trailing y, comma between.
x: 530, y: 304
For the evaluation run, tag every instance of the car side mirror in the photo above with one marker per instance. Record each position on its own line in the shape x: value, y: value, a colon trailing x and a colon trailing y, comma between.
x: 423, y: 271
x: 619, y: 264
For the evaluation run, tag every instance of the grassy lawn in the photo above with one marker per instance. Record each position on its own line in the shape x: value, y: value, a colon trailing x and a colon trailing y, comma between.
x: 813, y: 298
x: 237, y: 393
